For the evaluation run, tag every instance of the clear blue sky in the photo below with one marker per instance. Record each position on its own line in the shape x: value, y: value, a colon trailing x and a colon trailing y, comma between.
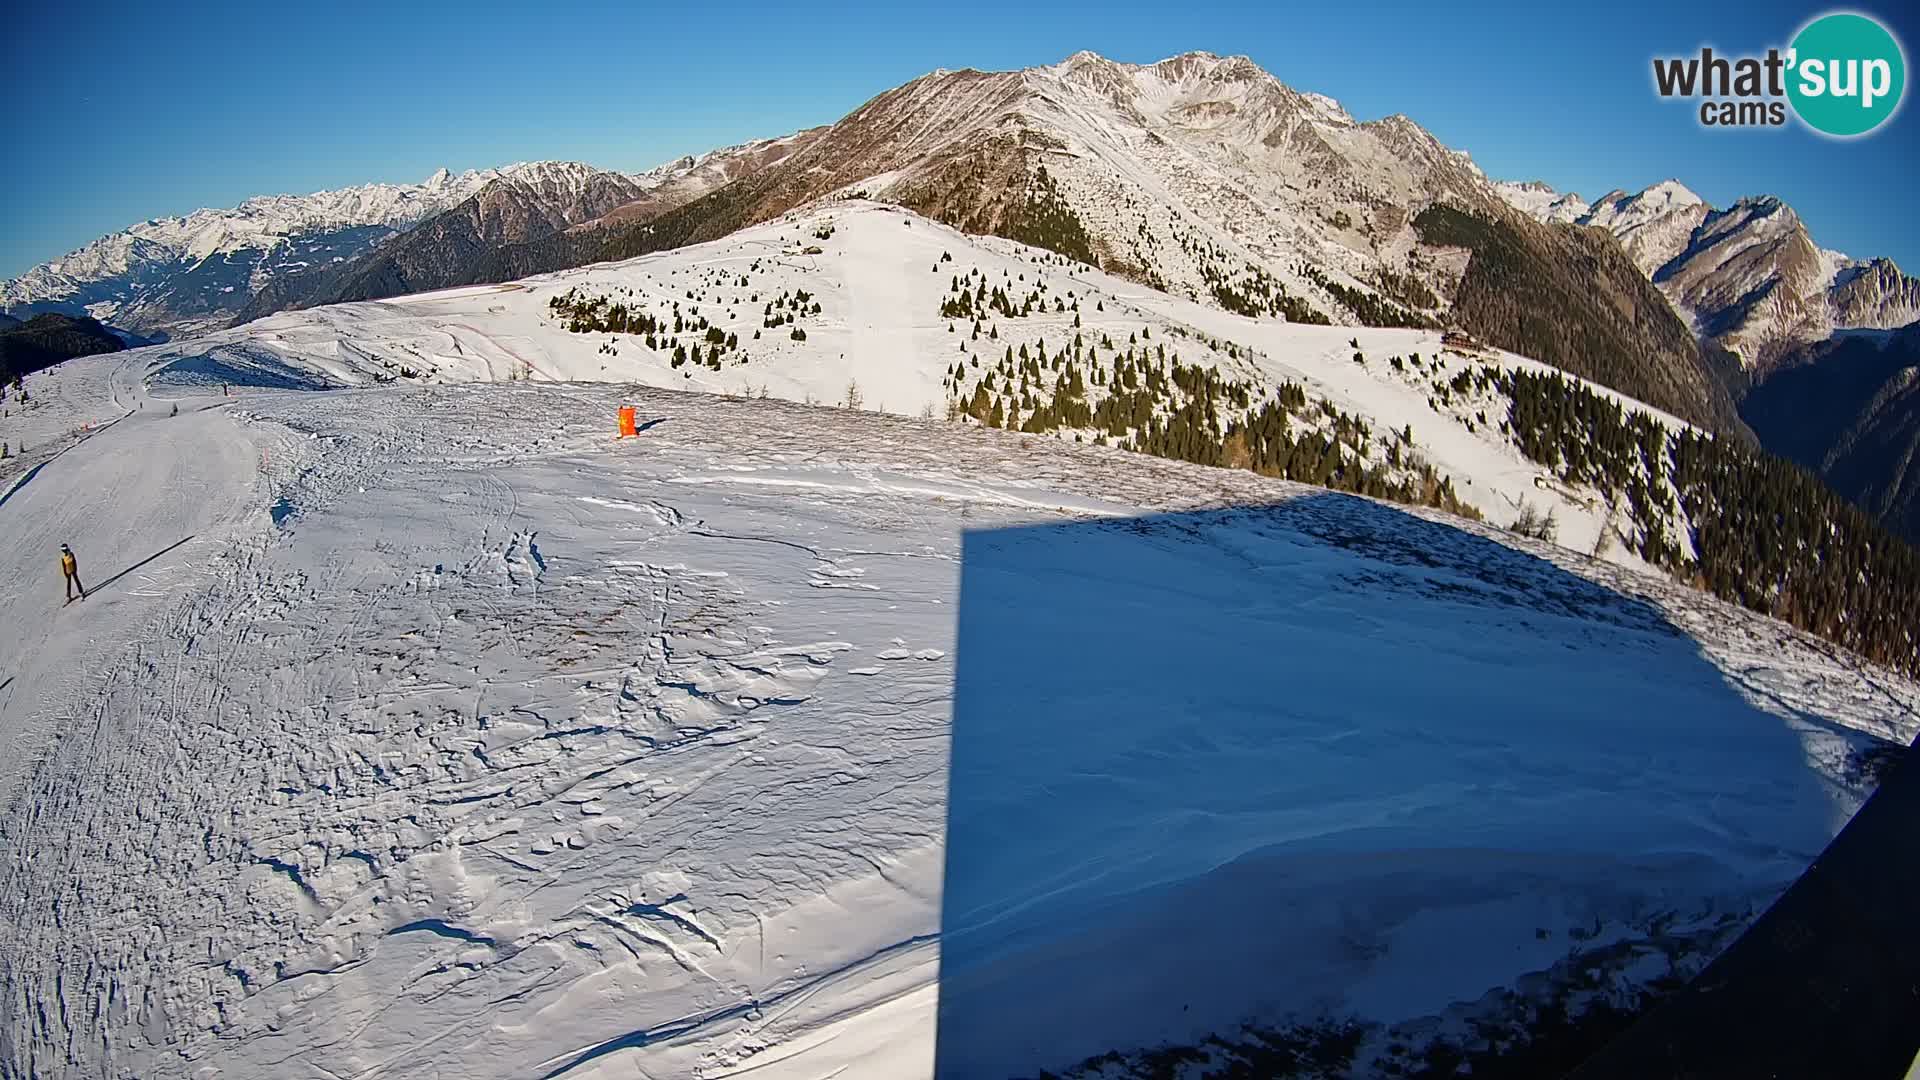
x: 124, y: 111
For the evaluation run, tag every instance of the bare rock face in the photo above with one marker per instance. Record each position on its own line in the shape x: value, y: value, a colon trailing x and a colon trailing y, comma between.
x: 1875, y: 295
x: 532, y: 203
x: 1751, y: 277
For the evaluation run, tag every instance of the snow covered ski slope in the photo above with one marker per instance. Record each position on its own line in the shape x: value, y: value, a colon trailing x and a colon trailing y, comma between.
x: 876, y: 282
x: 430, y: 731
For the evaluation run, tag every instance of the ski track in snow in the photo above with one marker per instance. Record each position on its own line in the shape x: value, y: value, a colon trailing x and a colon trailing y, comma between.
x: 458, y: 732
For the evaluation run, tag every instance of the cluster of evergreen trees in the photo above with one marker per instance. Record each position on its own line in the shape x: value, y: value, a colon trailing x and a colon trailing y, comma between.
x: 970, y: 298
x: 1770, y: 536
x: 1265, y: 441
x: 1038, y: 392
x: 1766, y: 534
x: 582, y: 313
x: 48, y: 339
x: 1250, y: 290
x: 1290, y: 438
x: 1466, y: 387
x: 1045, y: 219
x: 1370, y: 309
x: 1570, y: 297
x: 1140, y: 396
x: 1256, y: 293
x: 709, y: 350
x: 786, y: 309
x: 1405, y: 288
x: 585, y: 313
x: 1590, y: 440
x: 1447, y: 226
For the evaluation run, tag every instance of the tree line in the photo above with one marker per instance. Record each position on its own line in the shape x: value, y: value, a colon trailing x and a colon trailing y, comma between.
x: 1765, y: 533
x: 1143, y: 397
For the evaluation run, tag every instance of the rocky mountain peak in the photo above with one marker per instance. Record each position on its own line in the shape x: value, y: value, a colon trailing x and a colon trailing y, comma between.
x: 1670, y: 193
x: 1749, y: 277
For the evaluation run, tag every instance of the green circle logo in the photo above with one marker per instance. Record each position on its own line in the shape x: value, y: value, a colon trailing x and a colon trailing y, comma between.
x: 1848, y: 74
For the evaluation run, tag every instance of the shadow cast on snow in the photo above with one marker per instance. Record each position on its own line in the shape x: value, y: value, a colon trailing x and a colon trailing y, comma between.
x: 107, y: 584
x: 1321, y: 759
x: 1826, y: 983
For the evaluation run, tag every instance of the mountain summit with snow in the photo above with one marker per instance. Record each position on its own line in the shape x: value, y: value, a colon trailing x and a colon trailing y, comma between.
x: 1207, y: 177
x: 1535, y: 197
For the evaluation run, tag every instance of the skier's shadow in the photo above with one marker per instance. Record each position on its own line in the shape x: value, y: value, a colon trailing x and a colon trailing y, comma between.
x: 105, y: 585
x: 1244, y: 765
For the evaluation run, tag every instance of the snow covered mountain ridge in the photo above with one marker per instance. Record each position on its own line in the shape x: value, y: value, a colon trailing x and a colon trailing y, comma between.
x: 181, y: 274
x: 1749, y: 278
x: 1535, y: 197
x: 260, y: 221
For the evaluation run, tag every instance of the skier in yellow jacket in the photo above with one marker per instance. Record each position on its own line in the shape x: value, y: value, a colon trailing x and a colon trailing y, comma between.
x: 70, y: 568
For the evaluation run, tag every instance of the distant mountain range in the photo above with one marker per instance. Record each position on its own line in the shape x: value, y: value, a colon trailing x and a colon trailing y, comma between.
x: 492, y: 235
x: 1749, y: 278
x: 1201, y: 175
x: 179, y: 275
x: 184, y: 275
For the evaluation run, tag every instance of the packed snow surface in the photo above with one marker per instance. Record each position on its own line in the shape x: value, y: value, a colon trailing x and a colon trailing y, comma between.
x: 425, y: 731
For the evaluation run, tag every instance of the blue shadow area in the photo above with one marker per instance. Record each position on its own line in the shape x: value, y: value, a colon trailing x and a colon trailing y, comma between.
x: 1826, y: 983
x: 1320, y: 759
